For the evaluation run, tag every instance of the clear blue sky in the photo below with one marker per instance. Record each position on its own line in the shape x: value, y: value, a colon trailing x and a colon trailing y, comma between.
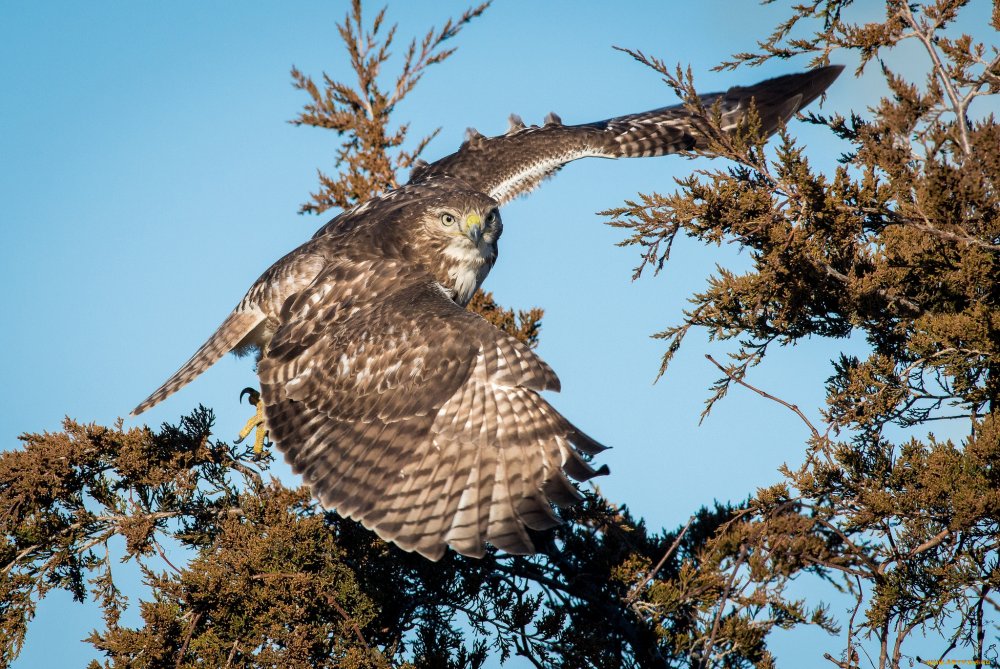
x: 149, y: 176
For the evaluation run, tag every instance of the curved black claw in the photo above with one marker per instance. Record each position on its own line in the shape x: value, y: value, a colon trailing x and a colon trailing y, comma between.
x: 256, y: 424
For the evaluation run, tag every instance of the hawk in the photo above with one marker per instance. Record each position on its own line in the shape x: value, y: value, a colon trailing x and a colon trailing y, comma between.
x: 399, y: 407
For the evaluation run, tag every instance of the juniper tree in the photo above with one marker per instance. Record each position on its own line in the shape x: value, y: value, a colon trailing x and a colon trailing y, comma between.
x: 899, y: 244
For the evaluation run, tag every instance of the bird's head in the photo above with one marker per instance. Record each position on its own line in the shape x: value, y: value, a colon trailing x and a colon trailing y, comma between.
x: 453, y: 232
x: 469, y: 222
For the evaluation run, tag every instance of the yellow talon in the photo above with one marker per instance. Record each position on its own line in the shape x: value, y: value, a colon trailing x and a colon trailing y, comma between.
x: 256, y: 423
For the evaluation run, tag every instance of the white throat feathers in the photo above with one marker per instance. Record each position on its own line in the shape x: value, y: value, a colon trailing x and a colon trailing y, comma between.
x: 470, y: 265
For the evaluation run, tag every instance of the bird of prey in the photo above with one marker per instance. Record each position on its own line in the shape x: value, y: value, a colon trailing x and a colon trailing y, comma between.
x: 399, y: 407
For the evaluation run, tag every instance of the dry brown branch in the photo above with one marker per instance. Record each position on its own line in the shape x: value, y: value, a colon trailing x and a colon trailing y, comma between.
x: 232, y: 654
x: 187, y: 640
x: 792, y: 407
x: 710, y: 641
x: 924, y: 32
x: 637, y: 588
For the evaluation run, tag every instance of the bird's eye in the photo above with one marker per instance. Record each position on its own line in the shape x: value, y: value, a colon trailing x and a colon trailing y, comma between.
x: 491, y: 217
x: 448, y: 219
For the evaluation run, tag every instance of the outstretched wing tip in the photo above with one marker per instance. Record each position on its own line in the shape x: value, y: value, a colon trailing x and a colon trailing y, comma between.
x: 516, y: 162
x: 833, y: 70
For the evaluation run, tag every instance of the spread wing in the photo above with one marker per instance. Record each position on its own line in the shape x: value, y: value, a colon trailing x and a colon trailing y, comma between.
x: 515, y: 163
x: 416, y: 417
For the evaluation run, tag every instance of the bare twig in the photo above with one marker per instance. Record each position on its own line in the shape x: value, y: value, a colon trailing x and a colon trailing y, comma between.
x: 187, y: 640
x: 163, y: 555
x: 659, y: 565
x: 794, y: 408
x: 232, y: 654
x: 929, y: 227
x: 17, y: 558
x: 347, y: 617
x: 842, y: 665
x: 923, y: 33
x: 710, y: 642
x: 851, y: 653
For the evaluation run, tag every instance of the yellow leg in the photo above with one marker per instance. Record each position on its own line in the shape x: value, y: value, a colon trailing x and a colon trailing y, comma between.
x: 256, y: 423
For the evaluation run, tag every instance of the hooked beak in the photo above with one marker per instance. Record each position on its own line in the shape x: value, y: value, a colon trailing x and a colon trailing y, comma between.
x: 474, y: 228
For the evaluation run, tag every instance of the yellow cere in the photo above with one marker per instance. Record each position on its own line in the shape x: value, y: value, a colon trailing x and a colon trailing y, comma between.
x: 472, y: 220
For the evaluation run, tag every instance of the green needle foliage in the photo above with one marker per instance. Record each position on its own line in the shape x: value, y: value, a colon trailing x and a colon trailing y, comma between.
x: 898, y: 247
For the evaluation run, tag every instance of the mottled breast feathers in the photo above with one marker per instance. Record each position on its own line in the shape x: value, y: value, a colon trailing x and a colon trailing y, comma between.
x: 418, y: 418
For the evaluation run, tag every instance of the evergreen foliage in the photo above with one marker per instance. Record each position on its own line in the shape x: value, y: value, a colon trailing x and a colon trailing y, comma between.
x: 899, y: 247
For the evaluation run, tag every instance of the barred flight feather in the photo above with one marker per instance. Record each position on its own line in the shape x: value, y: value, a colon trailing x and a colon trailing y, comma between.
x: 445, y: 442
x: 516, y: 162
